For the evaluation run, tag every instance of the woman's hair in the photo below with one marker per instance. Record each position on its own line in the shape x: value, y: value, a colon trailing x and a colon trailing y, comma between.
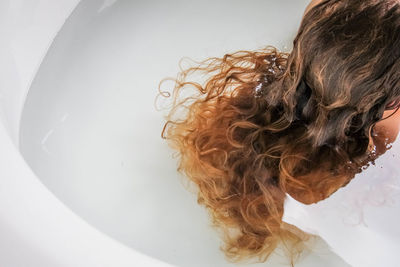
x: 265, y: 123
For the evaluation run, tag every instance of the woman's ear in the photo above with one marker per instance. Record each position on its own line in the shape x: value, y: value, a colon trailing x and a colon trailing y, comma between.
x: 385, y: 131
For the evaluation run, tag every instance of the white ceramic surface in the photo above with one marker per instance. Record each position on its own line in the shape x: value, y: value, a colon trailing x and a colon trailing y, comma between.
x: 90, y: 131
x: 36, y: 229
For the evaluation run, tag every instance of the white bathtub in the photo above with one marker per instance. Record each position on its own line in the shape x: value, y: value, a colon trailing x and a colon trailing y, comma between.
x: 99, y: 186
x: 36, y: 228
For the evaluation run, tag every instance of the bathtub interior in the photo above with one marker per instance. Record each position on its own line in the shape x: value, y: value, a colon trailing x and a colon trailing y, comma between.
x: 90, y: 132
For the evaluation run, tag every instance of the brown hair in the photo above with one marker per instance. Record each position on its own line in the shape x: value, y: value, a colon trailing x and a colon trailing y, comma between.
x: 266, y: 123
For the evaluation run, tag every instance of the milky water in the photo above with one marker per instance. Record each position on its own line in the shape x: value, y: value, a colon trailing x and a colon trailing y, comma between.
x: 90, y: 131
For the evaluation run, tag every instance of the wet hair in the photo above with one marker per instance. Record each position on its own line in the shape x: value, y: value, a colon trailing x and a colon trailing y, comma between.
x: 265, y: 123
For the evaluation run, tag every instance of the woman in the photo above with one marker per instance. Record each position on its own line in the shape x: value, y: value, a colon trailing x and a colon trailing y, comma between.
x: 267, y: 123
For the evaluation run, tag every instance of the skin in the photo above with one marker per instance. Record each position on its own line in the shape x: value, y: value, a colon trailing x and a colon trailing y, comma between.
x: 388, y: 127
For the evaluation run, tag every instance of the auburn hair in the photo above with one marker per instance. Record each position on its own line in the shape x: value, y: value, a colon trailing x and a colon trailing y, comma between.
x: 265, y: 123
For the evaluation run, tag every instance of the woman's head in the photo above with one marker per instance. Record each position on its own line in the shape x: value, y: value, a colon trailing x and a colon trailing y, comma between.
x: 388, y: 126
x: 347, y: 52
x: 267, y: 123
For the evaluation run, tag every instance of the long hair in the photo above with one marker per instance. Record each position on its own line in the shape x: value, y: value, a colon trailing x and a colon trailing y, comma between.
x: 265, y: 123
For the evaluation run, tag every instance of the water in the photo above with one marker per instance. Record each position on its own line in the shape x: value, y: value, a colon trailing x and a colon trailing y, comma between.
x: 91, y: 133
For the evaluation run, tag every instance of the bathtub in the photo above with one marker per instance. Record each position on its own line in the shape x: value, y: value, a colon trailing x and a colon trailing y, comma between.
x: 86, y: 178
x: 37, y: 229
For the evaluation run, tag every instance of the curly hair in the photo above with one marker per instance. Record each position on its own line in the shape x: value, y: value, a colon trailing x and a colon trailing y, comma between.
x: 266, y: 123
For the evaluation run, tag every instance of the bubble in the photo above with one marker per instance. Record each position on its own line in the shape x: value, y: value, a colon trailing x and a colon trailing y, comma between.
x: 258, y: 87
